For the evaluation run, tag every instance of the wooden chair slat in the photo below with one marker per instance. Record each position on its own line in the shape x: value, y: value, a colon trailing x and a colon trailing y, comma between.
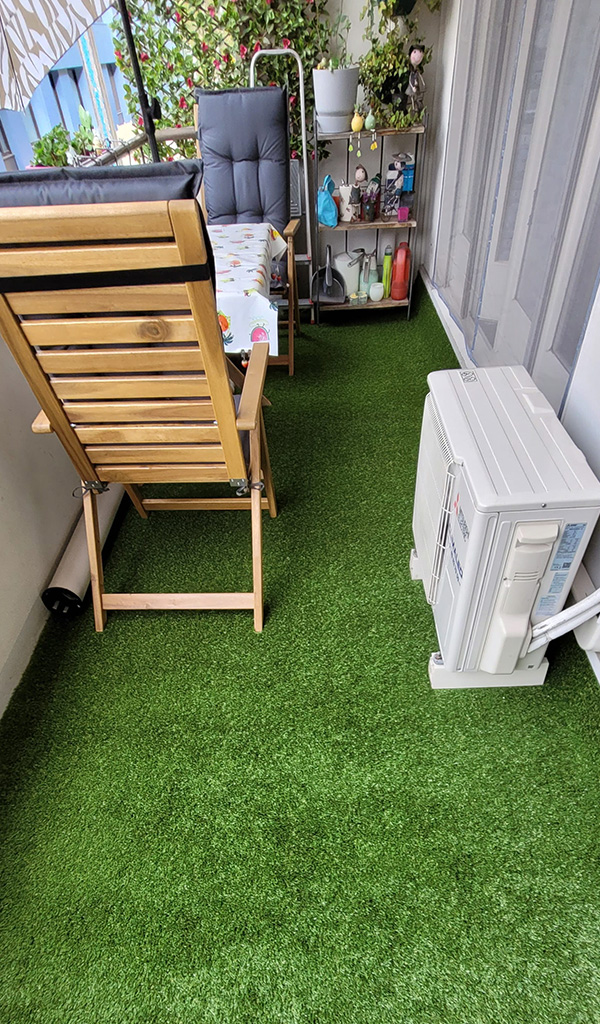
x: 110, y: 330
x: 81, y: 260
x: 39, y: 224
x: 151, y: 474
x: 138, y: 412
x: 145, y: 360
x: 157, y: 433
x: 137, y: 298
x: 165, y: 386
x: 147, y: 453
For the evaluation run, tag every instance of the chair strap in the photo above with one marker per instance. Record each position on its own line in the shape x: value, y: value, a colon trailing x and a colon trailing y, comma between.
x: 106, y: 279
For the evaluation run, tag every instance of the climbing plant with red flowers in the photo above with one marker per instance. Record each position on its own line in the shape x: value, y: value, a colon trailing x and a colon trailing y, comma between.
x: 188, y: 44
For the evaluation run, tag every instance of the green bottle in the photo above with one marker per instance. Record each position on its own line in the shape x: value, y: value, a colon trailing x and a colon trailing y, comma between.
x: 388, y: 259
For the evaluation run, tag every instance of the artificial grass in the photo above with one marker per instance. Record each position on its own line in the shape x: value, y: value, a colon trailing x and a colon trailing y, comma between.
x: 201, y: 824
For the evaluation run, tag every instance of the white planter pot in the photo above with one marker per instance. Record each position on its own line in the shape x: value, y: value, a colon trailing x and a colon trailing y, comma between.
x: 335, y: 98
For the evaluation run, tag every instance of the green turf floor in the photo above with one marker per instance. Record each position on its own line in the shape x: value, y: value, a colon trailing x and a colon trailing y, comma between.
x: 200, y: 824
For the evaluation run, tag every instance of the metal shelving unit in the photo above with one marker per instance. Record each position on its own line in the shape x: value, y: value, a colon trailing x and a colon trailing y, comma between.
x: 409, y: 226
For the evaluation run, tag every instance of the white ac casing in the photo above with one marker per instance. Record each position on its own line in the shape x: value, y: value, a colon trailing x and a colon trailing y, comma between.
x: 505, y: 504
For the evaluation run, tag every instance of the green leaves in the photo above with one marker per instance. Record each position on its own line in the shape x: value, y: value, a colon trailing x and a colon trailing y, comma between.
x: 51, y: 149
x: 211, y: 43
x: 384, y: 71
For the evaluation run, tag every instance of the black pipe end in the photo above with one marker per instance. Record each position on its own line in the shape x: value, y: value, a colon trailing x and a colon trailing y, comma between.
x: 62, y: 602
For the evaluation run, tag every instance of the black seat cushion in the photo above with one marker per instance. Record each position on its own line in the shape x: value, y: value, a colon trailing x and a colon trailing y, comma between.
x: 244, y: 141
x: 66, y: 186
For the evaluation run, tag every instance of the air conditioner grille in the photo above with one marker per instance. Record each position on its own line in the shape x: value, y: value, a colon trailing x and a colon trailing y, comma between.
x: 442, y: 437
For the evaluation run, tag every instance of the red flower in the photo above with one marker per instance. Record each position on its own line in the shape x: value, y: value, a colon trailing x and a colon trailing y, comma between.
x: 140, y: 121
x: 178, y: 126
x: 144, y: 56
x: 243, y: 50
x: 257, y: 47
x: 268, y: 2
x: 294, y: 154
x: 169, y: 66
x: 212, y: 11
x: 177, y: 17
x: 271, y: 84
x: 204, y: 47
x: 182, y: 102
x: 190, y: 83
x: 118, y: 55
x: 226, y: 58
x: 217, y: 64
x: 292, y: 101
x: 286, y: 44
x: 170, y: 158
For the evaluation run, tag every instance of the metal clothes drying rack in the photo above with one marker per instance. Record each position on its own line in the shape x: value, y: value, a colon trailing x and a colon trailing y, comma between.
x: 304, y: 259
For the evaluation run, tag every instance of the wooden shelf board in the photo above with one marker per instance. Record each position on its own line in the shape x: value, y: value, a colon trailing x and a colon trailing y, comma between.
x: 415, y: 129
x: 325, y: 307
x: 376, y: 225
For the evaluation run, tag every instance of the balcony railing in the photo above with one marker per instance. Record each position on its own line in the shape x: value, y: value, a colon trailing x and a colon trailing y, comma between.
x: 125, y: 154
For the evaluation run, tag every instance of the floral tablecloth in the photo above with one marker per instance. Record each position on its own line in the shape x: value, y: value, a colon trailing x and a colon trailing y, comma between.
x: 243, y: 254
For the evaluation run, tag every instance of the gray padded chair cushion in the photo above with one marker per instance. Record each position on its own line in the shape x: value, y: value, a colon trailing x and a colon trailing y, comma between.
x: 66, y: 186
x: 244, y: 141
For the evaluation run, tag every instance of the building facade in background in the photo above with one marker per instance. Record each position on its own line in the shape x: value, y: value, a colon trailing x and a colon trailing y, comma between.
x: 87, y: 75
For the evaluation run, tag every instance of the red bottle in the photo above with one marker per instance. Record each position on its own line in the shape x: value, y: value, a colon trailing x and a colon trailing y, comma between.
x: 401, y: 272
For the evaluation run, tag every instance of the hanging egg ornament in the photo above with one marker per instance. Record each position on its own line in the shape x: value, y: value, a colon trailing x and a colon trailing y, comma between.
x: 357, y: 122
x: 370, y: 122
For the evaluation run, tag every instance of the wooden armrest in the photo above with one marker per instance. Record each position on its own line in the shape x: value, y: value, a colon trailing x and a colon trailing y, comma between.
x: 290, y: 230
x: 249, y: 408
x: 237, y: 378
x: 41, y: 424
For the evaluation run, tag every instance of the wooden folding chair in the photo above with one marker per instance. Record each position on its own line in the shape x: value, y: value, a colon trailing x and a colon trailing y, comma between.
x: 110, y: 313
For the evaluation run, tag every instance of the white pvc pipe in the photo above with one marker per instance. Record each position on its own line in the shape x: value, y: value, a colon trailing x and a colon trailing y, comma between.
x: 573, y: 616
x: 66, y: 590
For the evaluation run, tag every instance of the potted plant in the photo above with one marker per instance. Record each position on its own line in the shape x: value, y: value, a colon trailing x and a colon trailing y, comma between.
x: 385, y: 71
x: 82, y: 141
x: 51, y: 150
x: 335, y: 80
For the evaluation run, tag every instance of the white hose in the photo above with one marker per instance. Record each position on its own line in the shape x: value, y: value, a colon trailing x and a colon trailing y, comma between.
x: 564, y: 621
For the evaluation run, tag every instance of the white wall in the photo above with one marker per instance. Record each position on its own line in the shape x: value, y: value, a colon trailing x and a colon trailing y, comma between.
x: 37, y: 511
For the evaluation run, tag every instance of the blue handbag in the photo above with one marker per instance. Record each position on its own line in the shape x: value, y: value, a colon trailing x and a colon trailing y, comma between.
x: 327, y: 211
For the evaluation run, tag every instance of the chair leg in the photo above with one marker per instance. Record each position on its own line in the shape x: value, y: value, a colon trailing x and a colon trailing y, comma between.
x: 296, y: 301
x: 135, y: 495
x: 292, y: 300
x: 266, y: 470
x: 255, y: 494
x: 92, y: 533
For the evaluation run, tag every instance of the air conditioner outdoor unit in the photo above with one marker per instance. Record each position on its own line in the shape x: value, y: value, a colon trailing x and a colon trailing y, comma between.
x: 505, y: 505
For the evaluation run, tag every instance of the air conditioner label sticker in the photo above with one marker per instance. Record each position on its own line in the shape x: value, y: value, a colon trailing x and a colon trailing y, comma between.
x: 558, y: 581
x: 458, y: 569
x: 547, y: 606
x: 567, y: 549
